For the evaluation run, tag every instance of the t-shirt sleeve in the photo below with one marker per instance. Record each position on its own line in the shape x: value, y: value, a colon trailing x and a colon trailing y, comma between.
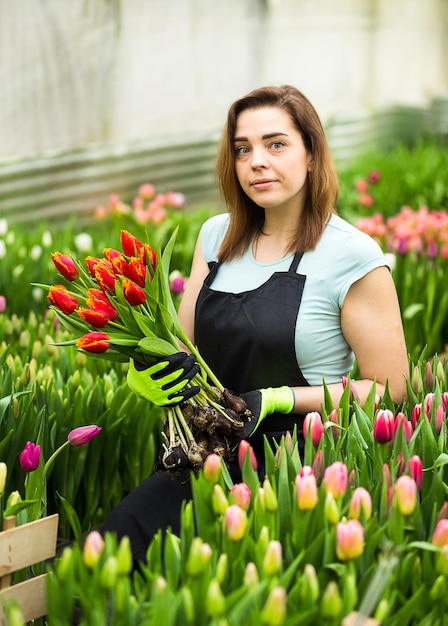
x: 212, y: 234
x: 359, y: 255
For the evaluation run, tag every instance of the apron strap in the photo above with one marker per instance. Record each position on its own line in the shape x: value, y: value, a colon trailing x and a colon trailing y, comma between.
x: 295, y: 262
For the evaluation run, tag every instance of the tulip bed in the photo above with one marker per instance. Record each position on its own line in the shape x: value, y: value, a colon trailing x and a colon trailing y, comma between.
x: 356, y: 528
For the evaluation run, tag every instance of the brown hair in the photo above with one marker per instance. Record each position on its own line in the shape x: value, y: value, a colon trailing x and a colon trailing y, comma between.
x: 246, y: 217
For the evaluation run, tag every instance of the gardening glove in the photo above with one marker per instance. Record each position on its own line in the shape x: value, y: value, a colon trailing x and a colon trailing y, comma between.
x: 263, y: 402
x: 165, y: 382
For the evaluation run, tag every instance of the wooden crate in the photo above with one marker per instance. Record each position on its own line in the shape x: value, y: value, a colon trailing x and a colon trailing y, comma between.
x: 21, y: 547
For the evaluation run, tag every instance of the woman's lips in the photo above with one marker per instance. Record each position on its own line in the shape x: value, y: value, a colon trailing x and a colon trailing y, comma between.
x: 263, y: 184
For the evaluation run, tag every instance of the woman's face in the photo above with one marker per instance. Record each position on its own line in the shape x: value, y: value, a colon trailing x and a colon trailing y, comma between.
x: 271, y: 162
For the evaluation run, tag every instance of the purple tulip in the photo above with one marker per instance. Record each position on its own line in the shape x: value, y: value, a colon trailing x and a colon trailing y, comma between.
x: 29, y: 458
x: 83, y: 434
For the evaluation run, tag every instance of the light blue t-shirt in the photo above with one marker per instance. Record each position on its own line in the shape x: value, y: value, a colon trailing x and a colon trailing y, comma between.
x: 343, y: 255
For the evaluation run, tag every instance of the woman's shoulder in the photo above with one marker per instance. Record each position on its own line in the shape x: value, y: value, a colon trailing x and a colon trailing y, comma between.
x: 342, y: 234
x: 212, y: 234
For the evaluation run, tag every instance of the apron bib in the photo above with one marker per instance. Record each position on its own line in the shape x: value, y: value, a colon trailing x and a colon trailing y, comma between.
x: 248, y: 338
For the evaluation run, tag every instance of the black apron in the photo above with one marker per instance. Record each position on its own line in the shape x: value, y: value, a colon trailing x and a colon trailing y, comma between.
x: 248, y: 338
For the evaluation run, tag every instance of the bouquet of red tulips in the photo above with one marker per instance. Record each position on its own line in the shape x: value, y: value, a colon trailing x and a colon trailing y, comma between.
x: 119, y: 307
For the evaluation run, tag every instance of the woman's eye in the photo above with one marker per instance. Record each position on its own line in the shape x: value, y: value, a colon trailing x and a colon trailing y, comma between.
x: 277, y: 145
x: 242, y: 150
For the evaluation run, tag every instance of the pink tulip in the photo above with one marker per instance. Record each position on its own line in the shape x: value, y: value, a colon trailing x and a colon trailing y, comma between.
x: 415, y: 415
x: 240, y: 495
x: 245, y: 448
x: 406, y: 494
x: 83, y: 434
x: 440, y: 417
x: 384, y: 426
x: 334, y: 418
x: 312, y: 425
x: 440, y: 535
x: 360, y: 504
x: 336, y: 479
x: 349, y: 540
x: 29, y: 458
x: 306, y: 489
x: 416, y: 470
x: 92, y: 549
x: 235, y: 522
x: 212, y: 468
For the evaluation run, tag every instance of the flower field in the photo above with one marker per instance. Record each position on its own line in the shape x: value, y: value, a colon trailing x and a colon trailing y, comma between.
x: 353, y: 532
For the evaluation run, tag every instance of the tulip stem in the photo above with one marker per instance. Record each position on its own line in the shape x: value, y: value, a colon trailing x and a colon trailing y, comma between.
x: 53, y: 456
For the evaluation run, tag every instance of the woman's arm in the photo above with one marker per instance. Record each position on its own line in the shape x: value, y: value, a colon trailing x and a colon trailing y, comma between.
x: 199, y: 270
x: 371, y: 323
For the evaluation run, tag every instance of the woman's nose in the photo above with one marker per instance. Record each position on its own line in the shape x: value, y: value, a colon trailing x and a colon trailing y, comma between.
x: 258, y: 158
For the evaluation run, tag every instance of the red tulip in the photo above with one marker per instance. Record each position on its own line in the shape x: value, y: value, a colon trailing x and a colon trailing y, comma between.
x: 95, y: 342
x: 110, y: 254
x: 83, y: 434
x: 415, y: 415
x: 133, y: 293
x: 65, y: 266
x: 60, y: 297
x: 97, y: 300
x: 130, y: 244
x: 105, y: 276
x: 98, y: 319
x: 137, y: 271
x: 29, y: 458
x: 121, y: 266
x: 91, y: 263
x: 149, y: 257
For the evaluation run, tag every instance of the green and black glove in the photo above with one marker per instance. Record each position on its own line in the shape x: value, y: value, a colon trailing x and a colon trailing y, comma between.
x: 263, y: 402
x: 165, y: 382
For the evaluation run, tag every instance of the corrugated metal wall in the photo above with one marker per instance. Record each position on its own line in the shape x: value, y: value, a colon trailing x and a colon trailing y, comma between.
x: 57, y: 186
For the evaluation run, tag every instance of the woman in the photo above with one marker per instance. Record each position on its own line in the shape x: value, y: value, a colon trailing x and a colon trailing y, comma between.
x: 283, y: 294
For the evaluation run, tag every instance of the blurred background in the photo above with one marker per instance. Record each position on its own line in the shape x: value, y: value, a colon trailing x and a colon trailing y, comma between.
x: 107, y: 94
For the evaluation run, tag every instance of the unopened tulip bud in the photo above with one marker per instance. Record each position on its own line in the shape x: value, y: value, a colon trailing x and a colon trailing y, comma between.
x: 245, y: 448
x: 440, y: 373
x: 416, y: 413
x: 3, y: 476
x: 235, y: 522
x: 331, y: 603
x: 219, y: 500
x: 274, y: 611
x: 318, y: 466
x: 124, y: 556
x: 313, y: 427
x: 438, y: 590
x: 263, y: 539
x: 272, y: 561
x: 416, y: 470
x: 440, y: 418
x: 109, y: 572
x: 212, y: 468
x: 221, y: 568
x: 259, y: 499
x: 349, y: 540
x: 406, y: 494
x: 360, y: 504
x: 15, y: 616
x: 288, y: 442
x: 440, y: 535
x: 309, y: 586
x: 270, y: 498
x: 92, y: 549
x: 336, y: 479
x: 417, y: 380
x: 333, y: 417
x: 197, y: 557
x: 251, y: 577
x: 13, y: 499
x: 215, y: 600
x: 240, y: 495
x: 331, y: 509
x: 350, y: 591
x: 384, y: 426
x: 83, y: 434
x: 382, y: 610
x: 442, y: 561
x: 428, y: 377
x: 306, y: 489
x: 187, y: 602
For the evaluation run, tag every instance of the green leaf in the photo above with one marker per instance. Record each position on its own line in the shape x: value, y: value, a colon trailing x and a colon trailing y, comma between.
x: 412, y: 310
x: 71, y: 516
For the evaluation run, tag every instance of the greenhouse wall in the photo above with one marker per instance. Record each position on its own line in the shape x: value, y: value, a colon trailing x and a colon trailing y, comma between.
x: 101, y: 95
